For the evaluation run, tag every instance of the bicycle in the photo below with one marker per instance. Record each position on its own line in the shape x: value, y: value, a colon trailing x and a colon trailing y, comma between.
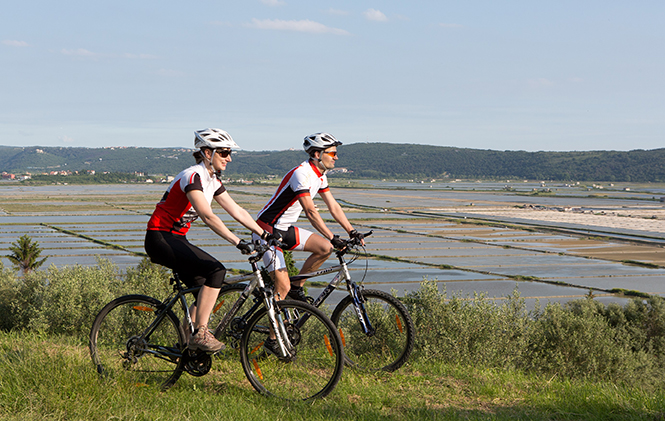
x: 376, y: 329
x: 140, y: 338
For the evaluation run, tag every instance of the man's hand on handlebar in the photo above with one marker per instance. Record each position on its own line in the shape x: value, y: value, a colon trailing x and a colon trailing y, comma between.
x: 357, y: 238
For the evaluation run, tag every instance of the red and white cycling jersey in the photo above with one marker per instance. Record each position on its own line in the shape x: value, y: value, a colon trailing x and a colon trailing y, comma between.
x: 283, y: 209
x: 174, y: 213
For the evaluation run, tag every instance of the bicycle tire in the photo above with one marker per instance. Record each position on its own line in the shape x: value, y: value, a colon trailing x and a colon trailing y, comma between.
x: 318, y: 362
x: 227, y: 297
x: 121, y: 353
x: 391, y: 344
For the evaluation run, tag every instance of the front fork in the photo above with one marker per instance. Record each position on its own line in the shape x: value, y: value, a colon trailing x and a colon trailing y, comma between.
x: 277, y: 323
x: 358, y: 304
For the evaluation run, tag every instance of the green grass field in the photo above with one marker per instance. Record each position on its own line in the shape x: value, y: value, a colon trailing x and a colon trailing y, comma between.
x: 52, y: 378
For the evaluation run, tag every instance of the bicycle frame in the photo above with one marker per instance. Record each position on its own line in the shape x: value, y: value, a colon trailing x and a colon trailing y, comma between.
x: 342, y: 275
x: 255, y: 281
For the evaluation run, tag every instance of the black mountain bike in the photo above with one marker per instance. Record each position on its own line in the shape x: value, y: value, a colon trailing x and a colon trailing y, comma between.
x: 376, y: 329
x: 139, y: 339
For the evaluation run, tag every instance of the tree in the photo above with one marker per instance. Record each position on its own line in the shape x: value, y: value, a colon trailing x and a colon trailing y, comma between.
x: 25, y: 254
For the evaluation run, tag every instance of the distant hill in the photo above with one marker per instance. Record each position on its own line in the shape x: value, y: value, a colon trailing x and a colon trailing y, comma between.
x: 371, y: 160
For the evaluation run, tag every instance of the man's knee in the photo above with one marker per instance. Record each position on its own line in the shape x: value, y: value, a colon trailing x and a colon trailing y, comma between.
x: 322, y: 248
x: 319, y: 246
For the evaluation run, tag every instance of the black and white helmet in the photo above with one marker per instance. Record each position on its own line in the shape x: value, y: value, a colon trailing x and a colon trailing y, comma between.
x: 213, y: 139
x: 319, y: 142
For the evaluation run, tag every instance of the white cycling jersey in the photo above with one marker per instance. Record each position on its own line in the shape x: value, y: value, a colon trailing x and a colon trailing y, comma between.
x: 283, y: 209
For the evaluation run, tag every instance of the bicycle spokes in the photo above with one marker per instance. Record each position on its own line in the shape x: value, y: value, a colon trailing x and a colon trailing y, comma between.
x: 313, y: 360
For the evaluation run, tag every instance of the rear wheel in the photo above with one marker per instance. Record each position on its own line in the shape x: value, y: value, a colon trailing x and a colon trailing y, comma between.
x: 391, y: 342
x: 125, y: 346
x: 314, y: 363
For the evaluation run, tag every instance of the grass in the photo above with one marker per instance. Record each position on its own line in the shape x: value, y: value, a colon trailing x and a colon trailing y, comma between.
x: 52, y: 378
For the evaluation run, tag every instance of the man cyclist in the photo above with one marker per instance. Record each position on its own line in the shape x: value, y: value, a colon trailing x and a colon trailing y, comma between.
x: 187, y: 198
x: 294, y: 195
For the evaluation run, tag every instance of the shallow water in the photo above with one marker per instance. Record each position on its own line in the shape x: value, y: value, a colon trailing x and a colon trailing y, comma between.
x: 484, y: 265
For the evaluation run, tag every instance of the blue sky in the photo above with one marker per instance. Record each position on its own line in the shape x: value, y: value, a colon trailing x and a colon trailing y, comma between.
x: 503, y: 75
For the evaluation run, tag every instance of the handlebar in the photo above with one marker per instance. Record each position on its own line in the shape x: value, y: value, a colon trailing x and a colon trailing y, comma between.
x: 261, y: 248
x: 355, y: 241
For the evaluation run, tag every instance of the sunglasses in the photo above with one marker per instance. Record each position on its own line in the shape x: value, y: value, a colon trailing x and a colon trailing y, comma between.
x: 223, y: 152
x: 332, y: 154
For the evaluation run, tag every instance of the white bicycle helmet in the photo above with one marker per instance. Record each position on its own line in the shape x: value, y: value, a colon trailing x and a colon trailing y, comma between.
x: 213, y: 139
x: 319, y: 142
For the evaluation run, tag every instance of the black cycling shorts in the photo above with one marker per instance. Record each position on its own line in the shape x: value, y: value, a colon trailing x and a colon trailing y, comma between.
x: 193, y: 265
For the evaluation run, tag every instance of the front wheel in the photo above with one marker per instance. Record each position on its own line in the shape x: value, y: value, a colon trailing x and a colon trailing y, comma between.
x: 314, y: 362
x: 391, y: 341
x: 132, y: 341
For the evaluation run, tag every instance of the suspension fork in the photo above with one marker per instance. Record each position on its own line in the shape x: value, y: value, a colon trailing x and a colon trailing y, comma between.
x: 277, y: 323
x: 275, y: 318
x: 358, y: 303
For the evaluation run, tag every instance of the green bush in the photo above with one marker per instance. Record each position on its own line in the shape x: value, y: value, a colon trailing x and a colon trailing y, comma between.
x: 578, y: 341
x: 581, y: 339
x: 63, y: 300
x: 148, y: 279
x: 8, y: 293
x: 468, y: 331
x: 66, y: 300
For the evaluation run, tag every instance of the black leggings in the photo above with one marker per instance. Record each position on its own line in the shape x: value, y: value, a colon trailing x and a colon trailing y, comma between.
x: 193, y: 265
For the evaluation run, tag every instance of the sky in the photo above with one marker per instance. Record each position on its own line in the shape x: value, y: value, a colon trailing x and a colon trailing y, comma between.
x: 502, y: 75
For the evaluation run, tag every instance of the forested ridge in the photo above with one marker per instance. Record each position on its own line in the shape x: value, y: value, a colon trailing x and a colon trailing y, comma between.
x: 372, y: 160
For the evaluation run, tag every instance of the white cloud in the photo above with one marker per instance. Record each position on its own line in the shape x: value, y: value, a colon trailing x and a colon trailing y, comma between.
x: 337, y: 12
x: 296, y: 25
x: 66, y: 139
x: 375, y: 15
x: 78, y: 52
x: 13, y: 43
x: 450, y: 25
x: 273, y: 3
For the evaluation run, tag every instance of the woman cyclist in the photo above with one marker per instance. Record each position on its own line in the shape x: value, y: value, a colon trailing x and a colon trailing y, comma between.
x: 187, y: 198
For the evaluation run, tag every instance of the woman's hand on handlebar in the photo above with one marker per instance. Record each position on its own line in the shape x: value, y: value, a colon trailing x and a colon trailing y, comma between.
x: 273, y: 239
x: 245, y: 247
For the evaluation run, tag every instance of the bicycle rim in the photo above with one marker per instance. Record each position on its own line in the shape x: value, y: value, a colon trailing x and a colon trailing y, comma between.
x: 122, y: 354
x: 318, y: 362
x: 389, y: 346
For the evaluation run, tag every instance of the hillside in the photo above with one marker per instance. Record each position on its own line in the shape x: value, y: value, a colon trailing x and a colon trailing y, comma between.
x: 372, y: 160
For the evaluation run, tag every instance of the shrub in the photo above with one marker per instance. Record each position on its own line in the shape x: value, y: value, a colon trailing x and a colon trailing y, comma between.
x: 64, y: 300
x: 468, y: 331
x: 146, y: 278
x: 8, y: 291
x: 583, y: 339
x: 579, y: 340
